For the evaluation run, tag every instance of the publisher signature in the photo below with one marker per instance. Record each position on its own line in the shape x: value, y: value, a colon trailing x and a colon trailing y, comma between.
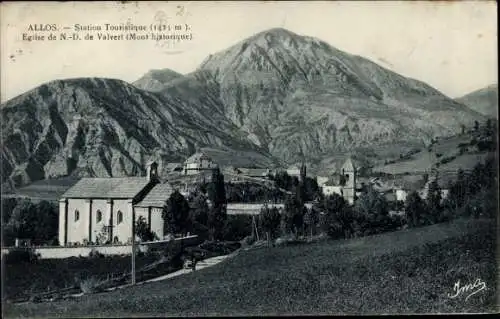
x: 470, y: 289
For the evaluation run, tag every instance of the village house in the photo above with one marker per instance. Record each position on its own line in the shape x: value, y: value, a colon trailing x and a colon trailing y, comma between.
x: 293, y: 170
x: 403, y: 189
x: 197, y: 163
x: 100, y: 210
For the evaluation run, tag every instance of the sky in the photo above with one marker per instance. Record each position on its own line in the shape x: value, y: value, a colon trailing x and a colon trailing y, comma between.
x: 450, y: 45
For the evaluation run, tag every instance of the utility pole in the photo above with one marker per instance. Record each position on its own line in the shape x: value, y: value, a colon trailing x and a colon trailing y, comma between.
x: 133, y: 245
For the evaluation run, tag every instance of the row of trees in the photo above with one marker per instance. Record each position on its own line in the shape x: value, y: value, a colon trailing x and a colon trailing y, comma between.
x: 473, y: 194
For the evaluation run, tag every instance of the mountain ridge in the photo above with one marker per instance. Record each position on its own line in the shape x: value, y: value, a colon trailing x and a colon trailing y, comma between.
x: 484, y: 101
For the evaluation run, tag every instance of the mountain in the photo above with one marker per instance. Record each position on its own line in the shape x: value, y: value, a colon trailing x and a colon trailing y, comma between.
x: 297, y: 97
x: 275, y: 97
x: 484, y: 101
x: 156, y: 80
x: 107, y: 127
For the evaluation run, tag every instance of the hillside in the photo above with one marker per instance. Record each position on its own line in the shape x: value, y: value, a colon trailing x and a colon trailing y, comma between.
x: 276, y: 97
x: 484, y: 101
x: 409, y: 271
x: 444, y: 155
x: 156, y: 80
x: 106, y: 127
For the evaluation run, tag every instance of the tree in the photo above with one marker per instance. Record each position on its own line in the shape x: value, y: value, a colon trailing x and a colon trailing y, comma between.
x: 46, y: 222
x: 292, y: 217
x: 37, y: 222
x: 311, y: 219
x: 143, y: 231
x: 217, y: 213
x: 199, y: 216
x: 176, y: 214
x: 434, y: 201
x: 415, y: 210
x: 283, y: 180
x: 336, y: 220
x: 270, y: 221
x: 488, y: 128
x: 374, y: 209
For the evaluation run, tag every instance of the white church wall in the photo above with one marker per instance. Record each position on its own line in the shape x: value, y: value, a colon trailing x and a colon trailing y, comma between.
x: 122, y: 229
x: 157, y: 222
x: 98, y: 205
x: 77, y: 229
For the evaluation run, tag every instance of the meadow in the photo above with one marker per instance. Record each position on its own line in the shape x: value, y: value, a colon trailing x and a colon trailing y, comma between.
x: 407, y: 271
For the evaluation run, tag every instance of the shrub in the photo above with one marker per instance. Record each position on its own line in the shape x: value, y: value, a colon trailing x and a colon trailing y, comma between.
x: 21, y: 255
x: 91, y: 285
x: 94, y: 253
x: 237, y: 227
x: 270, y: 221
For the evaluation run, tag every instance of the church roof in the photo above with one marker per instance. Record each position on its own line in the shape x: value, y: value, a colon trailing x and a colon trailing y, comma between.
x: 158, y: 196
x: 114, y: 187
x: 348, y: 165
x: 196, y: 157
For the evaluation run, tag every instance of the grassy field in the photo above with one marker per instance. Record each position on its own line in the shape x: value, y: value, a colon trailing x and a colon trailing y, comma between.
x: 410, y: 271
x: 24, y: 278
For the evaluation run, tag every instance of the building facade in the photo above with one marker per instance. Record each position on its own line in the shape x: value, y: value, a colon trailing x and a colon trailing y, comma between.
x: 197, y: 163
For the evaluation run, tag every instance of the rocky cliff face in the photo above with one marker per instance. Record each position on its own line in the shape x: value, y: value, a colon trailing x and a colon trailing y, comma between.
x: 484, y: 101
x: 104, y: 127
x: 275, y: 95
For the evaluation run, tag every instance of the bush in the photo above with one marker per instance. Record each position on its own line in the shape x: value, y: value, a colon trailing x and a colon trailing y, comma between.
x: 237, y: 227
x: 248, y: 241
x: 21, y: 255
x: 95, y: 254
x: 91, y: 285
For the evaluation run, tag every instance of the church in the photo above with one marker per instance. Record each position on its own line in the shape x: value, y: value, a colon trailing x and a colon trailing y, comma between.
x: 343, y: 183
x: 100, y: 210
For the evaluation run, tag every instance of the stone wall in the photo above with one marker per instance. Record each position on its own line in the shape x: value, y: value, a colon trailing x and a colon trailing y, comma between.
x: 58, y: 252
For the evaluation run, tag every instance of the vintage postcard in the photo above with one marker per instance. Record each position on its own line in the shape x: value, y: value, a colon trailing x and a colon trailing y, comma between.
x: 248, y: 158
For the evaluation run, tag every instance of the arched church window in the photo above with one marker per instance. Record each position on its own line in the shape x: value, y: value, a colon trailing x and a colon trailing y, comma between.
x: 99, y: 216
x: 77, y: 215
x: 119, y: 217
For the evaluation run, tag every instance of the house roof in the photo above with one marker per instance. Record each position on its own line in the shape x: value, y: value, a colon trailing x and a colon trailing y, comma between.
x: 158, y: 196
x: 115, y: 187
x: 171, y: 166
x: 443, y: 180
x: 196, y: 157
